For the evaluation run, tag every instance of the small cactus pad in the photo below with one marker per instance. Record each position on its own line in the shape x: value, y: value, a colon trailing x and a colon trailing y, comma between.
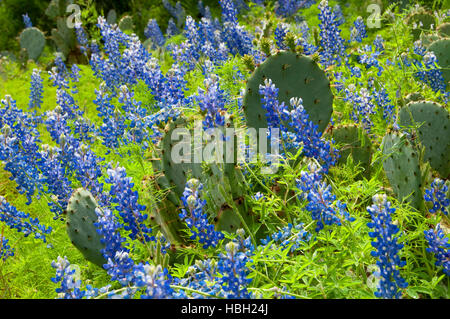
x: 414, y: 97
x: 295, y: 76
x: 420, y: 21
x: 441, y: 49
x: 433, y: 133
x: 427, y: 39
x: 111, y: 18
x: 81, y: 217
x: 353, y: 141
x: 126, y: 23
x: 402, y: 168
x: 444, y: 30
x: 33, y: 40
x: 174, y: 175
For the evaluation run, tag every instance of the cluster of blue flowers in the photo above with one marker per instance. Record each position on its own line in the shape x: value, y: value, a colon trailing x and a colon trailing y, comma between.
x: 437, y: 195
x: 439, y: 246
x: 212, y: 101
x: 321, y: 203
x: 5, y: 249
x: 291, y: 237
x: 363, y: 106
x: 386, y: 249
x: 36, y: 90
x: 27, y: 21
x: 153, y: 32
x: 177, y: 12
x: 333, y: 45
x: 299, y: 131
x: 22, y: 222
x: 287, y: 8
x: 194, y: 217
x: 358, y: 32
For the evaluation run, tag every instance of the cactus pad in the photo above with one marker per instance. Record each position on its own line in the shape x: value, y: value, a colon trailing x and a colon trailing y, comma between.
x: 413, y: 97
x: 81, y: 217
x: 33, y: 40
x: 420, y: 21
x: 356, y: 143
x: 126, y: 23
x: 444, y: 30
x: 433, y: 133
x: 295, y: 76
x: 402, y: 168
x: 174, y: 175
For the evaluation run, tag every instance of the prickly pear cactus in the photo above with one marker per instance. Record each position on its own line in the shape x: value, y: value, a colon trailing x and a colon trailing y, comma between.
x: 414, y: 97
x: 172, y: 175
x: 33, y: 40
x: 420, y: 21
x: 441, y: 49
x: 126, y: 23
x: 444, y: 30
x: 433, y: 133
x: 295, y: 76
x: 354, y: 142
x: 81, y: 217
x: 428, y: 39
x: 402, y: 168
x: 64, y: 37
x: 111, y: 18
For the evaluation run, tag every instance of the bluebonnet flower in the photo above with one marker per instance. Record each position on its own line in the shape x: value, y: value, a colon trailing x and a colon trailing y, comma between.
x: 386, y: 249
x: 370, y: 58
x: 236, y: 37
x: 429, y: 73
x: 304, y: 133
x: 212, y: 101
x: 36, y: 90
x: 290, y: 236
x: 81, y: 38
x: 125, y: 201
x: 287, y: 8
x: 27, y: 21
x: 437, y: 195
x: 340, y: 19
x: 281, y: 31
x: 439, y: 246
x: 19, y: 147
x: 171, y: 29
x: 233, y: 270
x: 331, y: 41
x: 320, y: 201
x: 384, y: 102
x: 196, y: 220
x: 22, y: 222
x: 363, y: 106
x: 258, y: 196
x: 177, y: 12
x: 419, y: 48
x: 5, y: 249
x: 358, y: 32
x: 65, y: 274
x: 153, y: 32
x: 378, y: 43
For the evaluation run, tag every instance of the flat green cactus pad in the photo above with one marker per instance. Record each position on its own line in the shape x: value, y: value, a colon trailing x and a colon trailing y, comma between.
x: 444, y: 30
x: 126, y: 23
x: 433, y: 133
x: 81, y: 217
x: 420, y: 21
x: 402, y: 168
x: 33, y: 40
x: 295, y: 76
x: 414, y: 97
